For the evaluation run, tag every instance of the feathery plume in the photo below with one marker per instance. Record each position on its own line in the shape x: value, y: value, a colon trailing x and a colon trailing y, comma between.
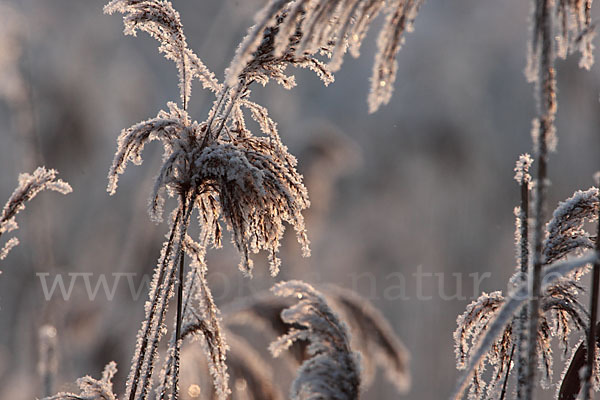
x: 590, y: 383
x: 251, y: 182
x: 371, y: 333
x: 333, y: 369
x: 561, y: 310
x: 29, y: 186
x: 218, y: 167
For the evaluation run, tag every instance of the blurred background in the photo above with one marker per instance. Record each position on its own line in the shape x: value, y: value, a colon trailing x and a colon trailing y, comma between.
x: 412, y: 206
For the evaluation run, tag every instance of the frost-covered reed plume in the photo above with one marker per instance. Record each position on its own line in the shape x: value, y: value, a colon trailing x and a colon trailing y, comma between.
x: 252, y: 373
x: 492, y: 329
x: 371, y: 334
x: 490, y: 320
x: 219, y: 168
x: 333, y: 369
x: 29, y: 186
x: 541, y: 70
x: 561, y: 310
x: 498, y: 328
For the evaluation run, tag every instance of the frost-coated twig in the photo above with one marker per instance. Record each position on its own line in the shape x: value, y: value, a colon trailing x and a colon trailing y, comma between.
x: 543, y: 136
x: 153, y: 326
x: 203, y: 320
x: 522, y: 242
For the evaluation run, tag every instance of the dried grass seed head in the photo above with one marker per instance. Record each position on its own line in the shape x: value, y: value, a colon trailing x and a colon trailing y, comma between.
x: 333, y: 371
x: 29, y: 186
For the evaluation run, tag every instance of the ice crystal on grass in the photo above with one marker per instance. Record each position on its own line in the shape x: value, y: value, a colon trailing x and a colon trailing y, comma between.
x: 333, y: 369
x: 29, y: 186
x: 520, y: 277
x: 8, y: 246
